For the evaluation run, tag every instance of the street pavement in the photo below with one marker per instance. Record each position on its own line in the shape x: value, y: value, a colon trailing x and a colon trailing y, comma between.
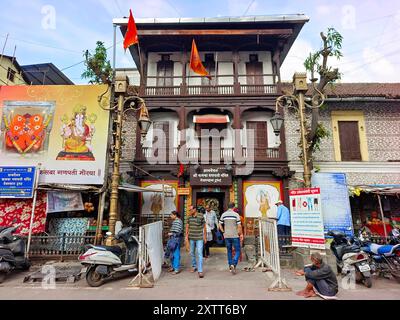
x: 218, y: 284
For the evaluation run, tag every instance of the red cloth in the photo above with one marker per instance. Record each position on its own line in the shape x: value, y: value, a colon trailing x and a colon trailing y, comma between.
x: 378, y: 228
x: 20, y: 210
x: 131, y: 36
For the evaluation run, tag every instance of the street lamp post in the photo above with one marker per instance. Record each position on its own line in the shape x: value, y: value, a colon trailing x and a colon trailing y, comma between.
x: 121, y: 88
x: 297, y: 100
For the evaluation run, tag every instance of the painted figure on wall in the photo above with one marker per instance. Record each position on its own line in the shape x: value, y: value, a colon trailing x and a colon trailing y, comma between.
x: 263, y: 201
x: 156, y: 204
x: 77, y: 134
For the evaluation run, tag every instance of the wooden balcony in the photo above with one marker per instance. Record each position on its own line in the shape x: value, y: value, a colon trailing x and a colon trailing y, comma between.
x: 187, y: 88
x: 197, y: 155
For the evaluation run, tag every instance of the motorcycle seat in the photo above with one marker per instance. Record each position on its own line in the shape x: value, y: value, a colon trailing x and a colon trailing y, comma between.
x: 114, y: 249
x: 385, y: 250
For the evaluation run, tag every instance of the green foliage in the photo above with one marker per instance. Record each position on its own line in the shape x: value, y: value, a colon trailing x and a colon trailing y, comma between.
x: 320, y: 134
x: 98, y: 68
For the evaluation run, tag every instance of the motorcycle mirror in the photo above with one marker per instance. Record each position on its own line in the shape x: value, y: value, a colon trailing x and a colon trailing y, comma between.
x: 132, y: 222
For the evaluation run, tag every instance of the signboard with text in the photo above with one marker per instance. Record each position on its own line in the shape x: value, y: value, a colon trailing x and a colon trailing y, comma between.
x: 210, y: 176
x: 17, y: 182
x: 306, y: 218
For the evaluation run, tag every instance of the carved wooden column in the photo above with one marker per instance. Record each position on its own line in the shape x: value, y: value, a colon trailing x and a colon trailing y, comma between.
x: 235, y: 60
x: 184, y: 61
x: 143, y: 76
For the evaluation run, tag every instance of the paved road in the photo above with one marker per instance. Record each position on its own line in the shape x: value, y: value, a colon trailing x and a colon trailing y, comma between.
x: 218, y: 284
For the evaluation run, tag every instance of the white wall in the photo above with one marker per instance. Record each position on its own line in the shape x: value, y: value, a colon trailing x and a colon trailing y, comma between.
x: 225, y: 67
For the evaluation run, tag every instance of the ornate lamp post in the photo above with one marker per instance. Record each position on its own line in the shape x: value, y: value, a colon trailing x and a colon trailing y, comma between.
x: 136, y: 104
x: 297, y: 100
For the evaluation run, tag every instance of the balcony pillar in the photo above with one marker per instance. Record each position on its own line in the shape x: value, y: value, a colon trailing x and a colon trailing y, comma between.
x: 143, y: 75
x: 235, y: 60
x: 184, y: 62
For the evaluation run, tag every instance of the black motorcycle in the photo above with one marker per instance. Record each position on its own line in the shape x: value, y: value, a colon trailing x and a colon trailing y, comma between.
x: 12, y: 252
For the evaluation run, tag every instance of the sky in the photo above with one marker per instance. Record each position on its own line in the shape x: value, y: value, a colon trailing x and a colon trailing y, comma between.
x: 59, y: 31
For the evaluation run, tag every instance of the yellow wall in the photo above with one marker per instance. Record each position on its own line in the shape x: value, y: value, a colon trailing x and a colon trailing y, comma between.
x: 4, y: 65
x: 349, y: 116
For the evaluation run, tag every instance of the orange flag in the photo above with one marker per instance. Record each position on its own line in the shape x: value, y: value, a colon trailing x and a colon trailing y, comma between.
x: 195, y: 62
x: 131, y: 36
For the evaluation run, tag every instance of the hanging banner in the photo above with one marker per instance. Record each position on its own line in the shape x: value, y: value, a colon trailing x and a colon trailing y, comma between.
x: 64, y: 201
x: 17, y: 182
x: 336, y: 208
x: 62, y: 127
x: 306, y: 218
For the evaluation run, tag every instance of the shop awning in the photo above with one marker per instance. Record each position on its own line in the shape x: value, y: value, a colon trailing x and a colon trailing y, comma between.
x: 211, y: 118
x: 132, y: 188
x: 384, y: 189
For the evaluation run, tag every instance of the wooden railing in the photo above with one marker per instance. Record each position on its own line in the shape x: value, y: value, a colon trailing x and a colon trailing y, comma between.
x: 222, y: 154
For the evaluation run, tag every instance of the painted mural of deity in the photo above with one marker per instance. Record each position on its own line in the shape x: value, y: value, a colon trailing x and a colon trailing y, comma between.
x: 77, y: 134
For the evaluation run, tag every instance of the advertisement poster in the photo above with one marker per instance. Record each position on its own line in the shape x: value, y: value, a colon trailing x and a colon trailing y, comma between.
x: 17, y: 182
x: 63, y: 128
x: 260, y: 197
x: 336, y: 208
x: 306, y: 218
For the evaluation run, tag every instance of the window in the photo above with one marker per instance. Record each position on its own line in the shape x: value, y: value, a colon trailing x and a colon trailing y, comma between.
x: 209, y: 64
x: 260, y: 135
x: 11, y: 74
x: 349, y: 136
x: 164, y: 127
x: 254, y: 73
x: 165, y: 71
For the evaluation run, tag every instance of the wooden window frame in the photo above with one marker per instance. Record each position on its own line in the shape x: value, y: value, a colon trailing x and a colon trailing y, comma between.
x: 349, y: 116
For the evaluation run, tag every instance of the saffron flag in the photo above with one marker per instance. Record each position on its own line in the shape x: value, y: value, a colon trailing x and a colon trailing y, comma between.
x: 181, y: 170
x: 131, y: 36
x: 195, y: 62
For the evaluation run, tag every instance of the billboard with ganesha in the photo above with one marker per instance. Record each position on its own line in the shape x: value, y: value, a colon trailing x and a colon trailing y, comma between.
x: 63, y: 128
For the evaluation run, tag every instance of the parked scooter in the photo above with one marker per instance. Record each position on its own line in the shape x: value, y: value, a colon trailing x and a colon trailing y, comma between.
x: 386, y: 258
x: 12, y: 252
x: 350, y: 258
x: 105, y: 263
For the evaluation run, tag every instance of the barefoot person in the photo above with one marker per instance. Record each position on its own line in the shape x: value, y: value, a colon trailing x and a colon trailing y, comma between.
x: 321, y: 280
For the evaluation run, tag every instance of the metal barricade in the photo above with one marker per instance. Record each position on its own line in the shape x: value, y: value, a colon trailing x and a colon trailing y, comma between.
x: 144, y: 278
x: 269, y: 253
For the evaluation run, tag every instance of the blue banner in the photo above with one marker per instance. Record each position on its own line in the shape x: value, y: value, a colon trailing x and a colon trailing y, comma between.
x: 17, y: 182
x: 335, y: 202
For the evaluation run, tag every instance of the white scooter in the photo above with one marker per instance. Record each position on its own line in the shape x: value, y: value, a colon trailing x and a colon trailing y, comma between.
x: 105, y: 263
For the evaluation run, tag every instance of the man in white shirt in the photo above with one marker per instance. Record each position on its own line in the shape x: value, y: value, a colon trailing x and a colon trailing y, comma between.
x: 211, y: 227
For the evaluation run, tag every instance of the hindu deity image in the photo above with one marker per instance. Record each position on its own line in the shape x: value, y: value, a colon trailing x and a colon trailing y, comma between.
x: 262, y: 199
x: 77, y: 134
x: 26, y: 127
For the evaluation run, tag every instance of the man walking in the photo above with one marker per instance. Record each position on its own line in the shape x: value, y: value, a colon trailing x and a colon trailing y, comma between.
x: 283, y: 217
x: 231, y: 227
x: 176, y: 234
x: 196, y: 236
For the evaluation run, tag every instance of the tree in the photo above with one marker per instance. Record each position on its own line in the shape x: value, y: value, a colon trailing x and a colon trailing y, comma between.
x: 331, y: 47
x: 98, y: 68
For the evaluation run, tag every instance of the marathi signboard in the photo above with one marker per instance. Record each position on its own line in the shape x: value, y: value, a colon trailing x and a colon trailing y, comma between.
x: 306, y: 218
x: 210, y: 176
x: 17, y: 182
x: 61, y: 127
x: 336, y: 208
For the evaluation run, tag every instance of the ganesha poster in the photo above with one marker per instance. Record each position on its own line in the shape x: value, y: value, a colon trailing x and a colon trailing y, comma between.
x: 62, y: 128
x: 260, y: 197
x: 153, y: 202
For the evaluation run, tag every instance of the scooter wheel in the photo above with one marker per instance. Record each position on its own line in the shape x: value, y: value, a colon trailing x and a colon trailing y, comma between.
x: 93, y: 278
x: 2, y: 277
x: 367, y: 282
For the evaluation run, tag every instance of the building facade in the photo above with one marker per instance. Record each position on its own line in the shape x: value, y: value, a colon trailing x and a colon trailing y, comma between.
x: 11, y: 73
x: 364, y: 125
x: 211, y: 139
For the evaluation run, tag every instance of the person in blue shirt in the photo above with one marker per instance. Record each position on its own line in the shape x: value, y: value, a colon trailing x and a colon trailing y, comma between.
x: 283, y: 217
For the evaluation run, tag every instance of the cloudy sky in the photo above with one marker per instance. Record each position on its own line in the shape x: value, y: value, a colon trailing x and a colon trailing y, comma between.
x: 59, y: 31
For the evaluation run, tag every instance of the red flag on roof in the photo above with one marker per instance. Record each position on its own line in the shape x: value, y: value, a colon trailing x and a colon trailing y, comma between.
x: 195, y: 62
x: 131, y: 36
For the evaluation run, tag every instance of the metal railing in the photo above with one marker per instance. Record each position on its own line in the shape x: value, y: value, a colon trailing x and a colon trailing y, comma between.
x: 59, y: 246
x: 269, y: 252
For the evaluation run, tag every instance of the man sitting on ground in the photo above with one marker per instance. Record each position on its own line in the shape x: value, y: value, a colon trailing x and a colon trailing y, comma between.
x: 321, y: 280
